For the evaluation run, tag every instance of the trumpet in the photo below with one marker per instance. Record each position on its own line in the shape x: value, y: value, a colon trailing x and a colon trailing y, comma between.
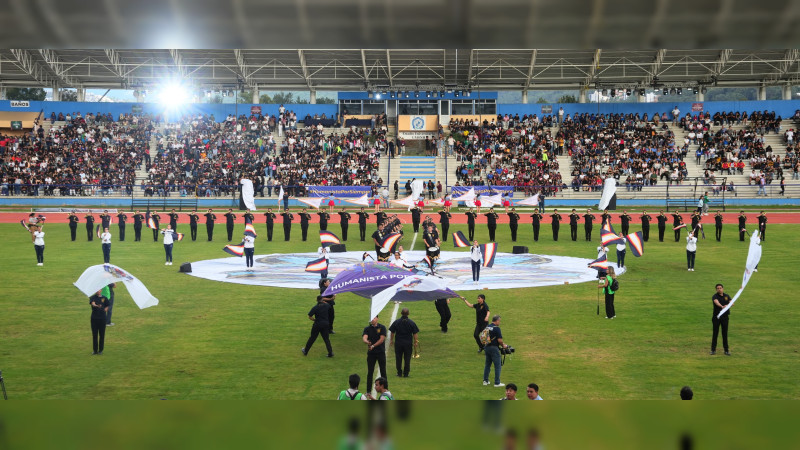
x: 416, y: 350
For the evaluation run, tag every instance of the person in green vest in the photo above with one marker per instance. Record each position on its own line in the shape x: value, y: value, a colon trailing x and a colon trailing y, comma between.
x: 382, y: 389
x: 352, y: 393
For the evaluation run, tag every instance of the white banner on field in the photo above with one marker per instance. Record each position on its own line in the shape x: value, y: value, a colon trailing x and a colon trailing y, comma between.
x: 97, y: 277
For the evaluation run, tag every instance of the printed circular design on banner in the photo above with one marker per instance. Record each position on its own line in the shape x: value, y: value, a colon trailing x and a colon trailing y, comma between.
x: 287, y: 270
x: 418, y: 123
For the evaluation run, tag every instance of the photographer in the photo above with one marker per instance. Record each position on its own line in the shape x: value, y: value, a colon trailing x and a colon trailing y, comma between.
x: 492, y: 352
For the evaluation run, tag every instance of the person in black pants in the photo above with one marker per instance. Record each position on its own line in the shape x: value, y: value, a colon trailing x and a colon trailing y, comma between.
x: 138, y: 218
x: 718, y: 225
x: 588, y: 218
x: 762, y: 226
x: 89, y: 227
x: 720, y: 299
x: 380, y: 218
x: 156, y: 218
x: 537, y: 220
x: 415, y: 216
x: 444, y: 221
x: 475, y: 256
x: 555, y: 222
x: 330, y: 300
x: 362, y: 223
x: 193, y: 218
x: 645, y: 225
x: 491, y: 223
x: 677, y: 219
x: 513, y: 223
x: 270, y: 222
x: 305, y: 217
x: 605, y: 218
x: 287, y: 224
x: 210, y: 218
x: 319, y: 315
x: 625, y: 221
x: 471, y: 215
x: 99, y: 304
x: 742, y: 225
x: 405, y: 331
x: 481, y: 317
x: 662, y: 225
x: 230, y: 219
x: 121, y: 218
x: 105, y: 220
x: 173, y: 220
x: 111, y: 288
x: 443, y: 308
x: 323, y: 220
x: 374, y: 336
x: 573, y: 225
x: 605, y: 285
x: 73, y: 224
x: 344, y: 222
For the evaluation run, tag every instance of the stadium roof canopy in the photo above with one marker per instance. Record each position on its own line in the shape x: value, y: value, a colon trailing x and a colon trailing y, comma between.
x: 362, y: 69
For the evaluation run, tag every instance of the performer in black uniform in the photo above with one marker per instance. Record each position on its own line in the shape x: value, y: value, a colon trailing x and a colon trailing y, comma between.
x: 305, y: 217
x: 513, y: 223
x: 695, y: 219
x: 555, y: 222
x: 471, y: 215
x: 762, y: 226
x: 718, y: 225
x: 287, y: 223
x: 156, y: 220
x: 121, y: 218
x: 491, y: 223
x: 105, y: 220
x: 742, y: 225
x: 377, y: 238
x: 415, y: 215
x: 677, y: 220
x: 230, y: 218
x: 605, y: 218
x: 270, y: 222
x: 537, y: 220
x: 380, y: 217
x: 362, y: 223
x: 625, y: 220
x: 210, y: 218
x: 323, y: 220
x: 89, y: 227
x: 588, y: 218
x: 73, y: 224
x: 431, y: 239
x: 444, y: 221
x: 344, y: 222
x: 720, y: 299
x: 248, y: 216
x: 319, y: 315
x: 573, y: 225
x: 443, y: 308
x: 662, y: 225
x: 193, y: 218
x: 138, y: 218
x: 645, y: 225
x: 173, y: 221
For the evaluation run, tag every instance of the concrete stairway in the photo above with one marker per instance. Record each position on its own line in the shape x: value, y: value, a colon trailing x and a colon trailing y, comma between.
x: 404, y: 168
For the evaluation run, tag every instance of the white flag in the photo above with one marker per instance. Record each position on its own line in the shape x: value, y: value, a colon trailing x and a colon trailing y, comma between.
x: 609, y: 189
x: 313, y: 202
x: 530, y: 201
x: 753, y: 257
x: 361, y: 201
x: 97, y: 277
x: 415, y: 283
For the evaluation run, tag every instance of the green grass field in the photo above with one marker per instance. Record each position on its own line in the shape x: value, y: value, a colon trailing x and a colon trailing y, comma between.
x: 210, y: 340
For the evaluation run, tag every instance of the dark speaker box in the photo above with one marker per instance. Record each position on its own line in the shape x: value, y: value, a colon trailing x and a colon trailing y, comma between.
x: 186, y: 268
x: 519, y: 249
x: 338, y: 248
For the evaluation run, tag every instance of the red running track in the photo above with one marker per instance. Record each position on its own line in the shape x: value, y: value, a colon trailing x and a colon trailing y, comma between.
x: 458, y: 218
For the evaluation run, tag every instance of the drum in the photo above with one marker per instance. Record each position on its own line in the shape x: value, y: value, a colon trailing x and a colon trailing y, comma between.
x: 433, y: 252
x: 383, y: 254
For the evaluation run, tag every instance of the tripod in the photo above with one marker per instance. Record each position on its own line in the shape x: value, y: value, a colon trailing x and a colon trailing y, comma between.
x: 3, y: 386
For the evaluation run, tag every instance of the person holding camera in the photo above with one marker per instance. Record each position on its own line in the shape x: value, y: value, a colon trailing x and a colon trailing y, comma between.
x: 607, y: 285
x: 492, y: 351
x: 481, y: 318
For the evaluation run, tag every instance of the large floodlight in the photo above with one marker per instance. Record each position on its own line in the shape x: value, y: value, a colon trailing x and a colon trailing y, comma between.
x: 173, y: 95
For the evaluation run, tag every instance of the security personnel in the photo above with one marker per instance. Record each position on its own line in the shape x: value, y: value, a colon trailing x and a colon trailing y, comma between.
x: 415, y: 216
x: 173, y: 221
x: 230, y: 217
x: 380, y: 217
x: 605, y: 218
x: 537, y: 220
x: 323, y: 220
x: 471, y: 215
x: 89, y: 227
x: 73, y: 224
x: 156, y: 219
x: 305, y: 217
x: 555, y: 223
x: 105, y: 219
x: 121, y: 218
x: 662, y: 225
x: 193, y: 218
x: 573, y: 225
x: 270, y: 222
x: 344, y: 222
x: 491, y: 222
x: 718, y: 225
x: 513, y: 223
x: 210, y: 218
x: 625, y: 219
x: 762, y: 226
x: 374, y: 335
x: 645, y: 225
x: 444, y: 221
x: 362, y: 223
x: 742, y: 225
x: 287, y: 224
x: 588, y: 218
x: 677, y: 220
x: 138, y: 218
x: 248, y: 216
x: 405, y: 331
